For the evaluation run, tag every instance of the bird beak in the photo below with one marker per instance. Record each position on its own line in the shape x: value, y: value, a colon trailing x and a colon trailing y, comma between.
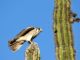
x: 41, y: 30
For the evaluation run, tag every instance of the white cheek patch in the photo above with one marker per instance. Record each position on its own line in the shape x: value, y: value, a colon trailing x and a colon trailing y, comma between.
x: 37, y: 30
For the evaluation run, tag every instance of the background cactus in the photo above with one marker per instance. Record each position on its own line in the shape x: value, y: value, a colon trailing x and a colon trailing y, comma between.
x: 63, y: 30
x: 32, y: 52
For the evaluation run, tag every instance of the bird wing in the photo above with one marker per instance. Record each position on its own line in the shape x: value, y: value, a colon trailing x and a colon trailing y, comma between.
x: 23, y: 32
x: 15, y: 45
x: 17, y: 42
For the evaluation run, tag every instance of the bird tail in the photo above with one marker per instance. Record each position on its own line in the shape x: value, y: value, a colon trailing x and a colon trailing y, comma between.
x: 15, y: 45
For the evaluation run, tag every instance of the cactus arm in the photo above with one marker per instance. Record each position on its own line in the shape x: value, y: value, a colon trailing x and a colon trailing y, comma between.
x: 32, y: 52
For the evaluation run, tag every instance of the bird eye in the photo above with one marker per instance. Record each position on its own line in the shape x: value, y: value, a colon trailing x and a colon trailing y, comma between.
x: 39, y: 28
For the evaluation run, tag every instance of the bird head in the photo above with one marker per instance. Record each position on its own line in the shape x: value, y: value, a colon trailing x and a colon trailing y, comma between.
x: 38, y: 30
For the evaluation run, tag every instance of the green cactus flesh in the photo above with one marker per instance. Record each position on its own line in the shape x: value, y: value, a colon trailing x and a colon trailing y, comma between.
x: 32, y: 52
x: 63, y: 30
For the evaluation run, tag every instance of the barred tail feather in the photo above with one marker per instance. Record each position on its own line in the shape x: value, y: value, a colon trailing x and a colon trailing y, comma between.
x: 16, y: 45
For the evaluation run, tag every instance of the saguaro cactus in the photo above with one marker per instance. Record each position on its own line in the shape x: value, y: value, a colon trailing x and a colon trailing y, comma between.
x: 63, y: 30
x: 32, y: 52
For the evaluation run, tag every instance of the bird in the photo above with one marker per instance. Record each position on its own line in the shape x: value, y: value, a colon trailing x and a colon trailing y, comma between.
x: 73, y: 14
x: 74, y: 18
x: 26, y: 35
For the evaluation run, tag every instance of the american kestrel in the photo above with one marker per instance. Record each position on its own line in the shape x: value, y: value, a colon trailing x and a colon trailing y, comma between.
x: 25, y: 35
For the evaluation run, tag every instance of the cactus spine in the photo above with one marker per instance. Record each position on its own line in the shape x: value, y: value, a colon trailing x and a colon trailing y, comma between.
x: 63, y: 30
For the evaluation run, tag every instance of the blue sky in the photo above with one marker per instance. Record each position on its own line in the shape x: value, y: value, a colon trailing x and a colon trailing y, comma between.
x: 16, y: 15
